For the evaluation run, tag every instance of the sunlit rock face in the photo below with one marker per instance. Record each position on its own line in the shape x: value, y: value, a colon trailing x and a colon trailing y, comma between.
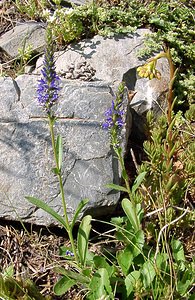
x: 89, y: 164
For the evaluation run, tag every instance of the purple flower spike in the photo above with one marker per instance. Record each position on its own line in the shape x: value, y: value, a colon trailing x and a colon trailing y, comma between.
x: 49, y: 84
x: 114, y: 117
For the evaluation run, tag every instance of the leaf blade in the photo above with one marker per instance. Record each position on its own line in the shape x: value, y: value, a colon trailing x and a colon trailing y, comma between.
x: 63, y: 285
x: 83, y: 238
x: 116, y: 187
x: 39, y: 203
x: 139, y: 179
x: 59, y: 151
x: 129, y: 210
x: 81, y: 205
x: 130, y: 281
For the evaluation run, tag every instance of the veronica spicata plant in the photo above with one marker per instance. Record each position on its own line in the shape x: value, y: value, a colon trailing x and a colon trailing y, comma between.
x: 49, y: 84
x: 114, y: 123
x: 48, y: 96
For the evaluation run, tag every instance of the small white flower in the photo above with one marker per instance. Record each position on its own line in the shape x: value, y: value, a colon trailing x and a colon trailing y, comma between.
x: 46, y: 13
x: 68, y: 11
x: 51, y: 19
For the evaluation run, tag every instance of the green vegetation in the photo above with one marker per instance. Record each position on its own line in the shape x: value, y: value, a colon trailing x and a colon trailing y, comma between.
x: 11, y: 288
x: 151, y: 252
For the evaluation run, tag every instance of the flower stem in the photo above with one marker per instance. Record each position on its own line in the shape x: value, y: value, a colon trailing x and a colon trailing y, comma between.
x: 170, y: 103
x: 125, y: 177
x: 68, y: 227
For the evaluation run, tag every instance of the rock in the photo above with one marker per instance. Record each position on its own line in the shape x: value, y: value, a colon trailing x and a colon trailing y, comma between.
x: 81, y: 70
x: 80, y: 64
x: 23, y: 35
x: 79, y: 2
x: 28, y: 69
x: 115, y: 60
x: 150, y: 94
x: 68, y: 75
x: 110, y: 58
x: 26, y: 155
x: 75, y: 75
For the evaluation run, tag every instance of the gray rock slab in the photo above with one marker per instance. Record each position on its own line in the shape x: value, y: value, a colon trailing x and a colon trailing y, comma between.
x: 110, y: 57
x: 150, y: 94
x: 114, y: 60
x: 23, y: 35
x: 26, y: 155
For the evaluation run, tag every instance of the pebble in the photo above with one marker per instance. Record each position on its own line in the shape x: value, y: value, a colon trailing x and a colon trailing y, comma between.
x: 68, y: 75
x: 80, y: 70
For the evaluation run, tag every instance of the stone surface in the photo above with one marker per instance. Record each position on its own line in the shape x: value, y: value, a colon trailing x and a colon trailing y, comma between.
x: 26, y: 155
x: 115, y: 60
x: 150, y: 94
x: 79, y: 2
x: 22, y: 35
x: 111, y: 58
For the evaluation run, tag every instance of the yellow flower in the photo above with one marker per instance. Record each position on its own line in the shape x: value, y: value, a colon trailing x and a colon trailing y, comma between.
x: 149, y: 70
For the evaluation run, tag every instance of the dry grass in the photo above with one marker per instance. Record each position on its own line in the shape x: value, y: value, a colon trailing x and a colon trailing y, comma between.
x: 33, y: 255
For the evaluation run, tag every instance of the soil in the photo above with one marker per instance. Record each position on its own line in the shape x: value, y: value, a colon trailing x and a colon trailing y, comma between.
x: 34, y: 253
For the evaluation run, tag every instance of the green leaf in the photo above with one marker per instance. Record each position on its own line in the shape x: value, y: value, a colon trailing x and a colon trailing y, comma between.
x: 3, y: 289
x: 55, y: 171
x: 137, y: 243
x: 117, y: 187
x: 100, y: 262
x: 100, y: 285
x: 8, y: 272
x: 81, y: 278
x: 138, y: 181
x: 161, y: 261
x: 124, y: 175
x: 129, y: 210
x: 59, y: 151
x: 82, y: 204
x: 87, y: 273
x: 186, y: 281
x: 148, y: 273
x: 130, y: 282
x: 33, y: 290
x: 125, y: 259
x: 118, y: 220
x: 39, y: 203
x: 183, y: 286
x: 89, y: 258
x: 83, y: 238
x: 178, y: 251
x: 63, y: 285
x: 139, y: 212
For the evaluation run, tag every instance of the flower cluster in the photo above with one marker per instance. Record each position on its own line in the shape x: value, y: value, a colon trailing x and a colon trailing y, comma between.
x: 149, y: 70
x: 49, y: 84
x: 114, y: 117
x: 69, y: 253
